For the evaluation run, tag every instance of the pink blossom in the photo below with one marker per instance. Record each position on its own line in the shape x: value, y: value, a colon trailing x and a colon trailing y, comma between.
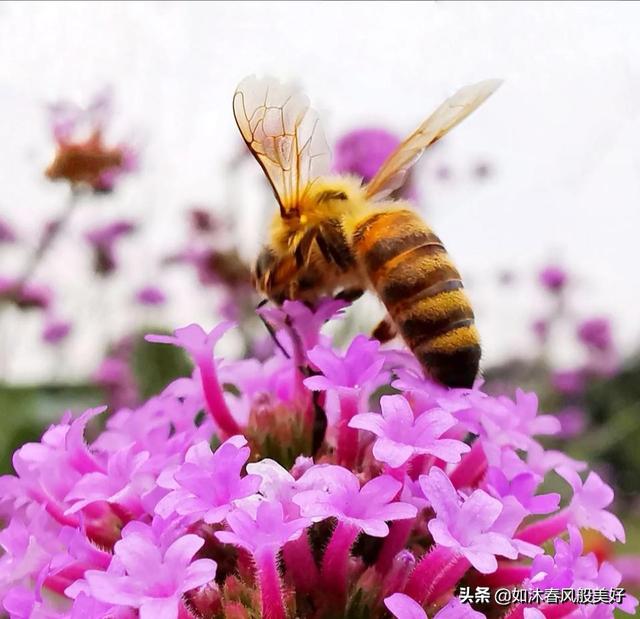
x: 401, y: 435
x: 207, y: 484
x: 150, y: 295
x: 465, y: 525
x: 56, y: 330
x: 149, y: 578
x: 367, y: 508
x: 7, y: 235
x: 269, y: 529
x: 553, y: 278
x: 596, y: 333
x: 588, y: 503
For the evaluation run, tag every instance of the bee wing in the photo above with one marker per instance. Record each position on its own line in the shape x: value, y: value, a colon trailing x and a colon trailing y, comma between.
x: 284, y: 135
x: 454, y: 110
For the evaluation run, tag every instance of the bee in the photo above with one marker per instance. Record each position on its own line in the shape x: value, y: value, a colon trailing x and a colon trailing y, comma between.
x: 336, y: 235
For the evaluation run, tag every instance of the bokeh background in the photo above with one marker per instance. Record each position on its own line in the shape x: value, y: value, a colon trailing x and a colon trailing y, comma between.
x: 536, y: 195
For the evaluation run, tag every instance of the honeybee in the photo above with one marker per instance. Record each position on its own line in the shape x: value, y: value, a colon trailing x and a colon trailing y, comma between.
x: 334, y: 235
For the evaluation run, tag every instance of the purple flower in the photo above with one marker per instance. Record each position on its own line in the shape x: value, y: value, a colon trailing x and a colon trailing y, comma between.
x: 523, y: 488
x: 103, y: 241
x: 569, y: 382
x: 200, y: 346
x: 365, y: 508
x: 25, y: 295
x: 401, y: 436
x: 553, y: 278
x: 402, y: 606
x: 540, y: 328
x: 466, y: 525
x: 501, y: 422
x: 207, y: 484
x: 55, y: 330
x: 7, y: 235
x: 112, y: 528
x: 123, y: 483
x: 194, y: 339
x: 269, y: 529
x: 150, y: 295
x: 82, y: 156
x: 357, y: 369
x: 23, y: 602
x: 455, y: 609
x: 569, y: 568
x: 573, y: 421
x: 304, y: 321
x: 129, y: 162
x: 149, y: 578
x: 363, y: 151
x: 595, y: 333
x: 588, y: 503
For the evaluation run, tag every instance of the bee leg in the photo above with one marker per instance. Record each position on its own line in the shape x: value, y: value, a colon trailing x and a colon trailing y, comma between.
x: 319, y: 423
x: 271, y: 330
x: 385, y: 330
x: 349, y: 294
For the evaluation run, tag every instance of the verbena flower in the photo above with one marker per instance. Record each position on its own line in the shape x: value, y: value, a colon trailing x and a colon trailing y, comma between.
x: 7, y: 234
x: 82, y: 157
x: 103, y: 240
x: 172, y: 514
x: 363, y: 151
x: 596, y: 333
x: 148, y: 577
x: 56, y: 330
x: 150, y: 295
x: 553, y: 278
x: 402, y: 435
x: 466, y: 525
x: 25, y: 295
x: 207, y: 484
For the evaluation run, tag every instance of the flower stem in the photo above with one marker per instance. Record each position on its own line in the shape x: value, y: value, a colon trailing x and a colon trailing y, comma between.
x: 543, y: 530
x: 347, y: 437
x: 270, y: 587
x: 300, y: 564
x: 507, y: 575
x: 214, y: 397
x: 335, y: 563
x: 438, y: 571
x: 48, y: 238
x: 394, y: 543
x: 471, y: 468
x: 396, y: 577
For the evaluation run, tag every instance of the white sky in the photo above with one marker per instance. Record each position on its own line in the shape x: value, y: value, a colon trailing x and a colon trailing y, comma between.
x: 563, y: 134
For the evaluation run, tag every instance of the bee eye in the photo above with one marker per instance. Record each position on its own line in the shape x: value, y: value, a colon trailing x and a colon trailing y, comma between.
x: 332, y: 195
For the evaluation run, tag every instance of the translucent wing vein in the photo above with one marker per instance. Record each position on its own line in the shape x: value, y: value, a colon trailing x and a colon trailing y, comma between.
x: 454, y: 110
x: 284, y: 135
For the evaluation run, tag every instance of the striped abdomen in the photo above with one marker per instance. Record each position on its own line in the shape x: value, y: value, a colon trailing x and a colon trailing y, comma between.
x: 412, y: 274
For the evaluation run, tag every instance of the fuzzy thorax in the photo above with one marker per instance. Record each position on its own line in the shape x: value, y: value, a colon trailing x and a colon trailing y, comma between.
x: 338, y: 197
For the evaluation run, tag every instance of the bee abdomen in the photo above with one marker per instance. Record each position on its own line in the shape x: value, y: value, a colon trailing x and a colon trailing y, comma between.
x: 414, y: 277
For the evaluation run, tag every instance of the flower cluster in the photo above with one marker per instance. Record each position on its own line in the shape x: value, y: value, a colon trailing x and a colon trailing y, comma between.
x: 315, y: 483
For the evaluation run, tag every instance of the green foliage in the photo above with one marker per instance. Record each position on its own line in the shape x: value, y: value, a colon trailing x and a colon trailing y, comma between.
x: 155, y: 366
x: 614, y: 408
x: 27, y: 410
